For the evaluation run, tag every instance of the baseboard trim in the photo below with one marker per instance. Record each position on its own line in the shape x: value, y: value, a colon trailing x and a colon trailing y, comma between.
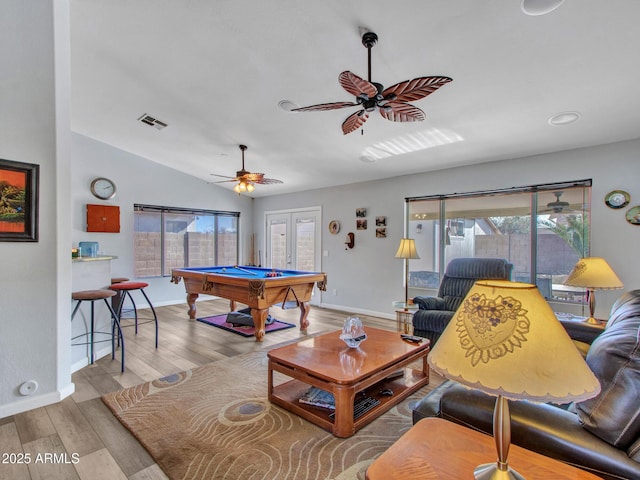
x: 361, y: 311
x: 342, y: 308
x: 36, y: 402
x: 98, y: 354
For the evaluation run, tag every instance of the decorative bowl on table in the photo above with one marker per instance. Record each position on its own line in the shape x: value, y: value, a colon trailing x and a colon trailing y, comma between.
x: 353, y: 333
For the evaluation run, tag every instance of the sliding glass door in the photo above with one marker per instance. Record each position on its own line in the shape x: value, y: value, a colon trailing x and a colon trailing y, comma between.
x: 543, y: 230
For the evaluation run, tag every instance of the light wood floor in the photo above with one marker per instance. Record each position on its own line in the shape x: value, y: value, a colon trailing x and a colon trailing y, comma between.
x: 79, y: 438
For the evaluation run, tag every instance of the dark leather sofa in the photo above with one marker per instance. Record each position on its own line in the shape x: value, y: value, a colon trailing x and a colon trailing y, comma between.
x: 600, y: 435
x: 434, y: 313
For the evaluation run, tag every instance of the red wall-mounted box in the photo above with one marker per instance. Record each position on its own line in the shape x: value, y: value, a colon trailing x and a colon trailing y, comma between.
x: 103, y: 218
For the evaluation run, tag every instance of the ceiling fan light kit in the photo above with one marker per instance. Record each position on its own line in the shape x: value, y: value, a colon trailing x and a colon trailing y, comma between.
x: 246, y: 180
x: 392, y: 102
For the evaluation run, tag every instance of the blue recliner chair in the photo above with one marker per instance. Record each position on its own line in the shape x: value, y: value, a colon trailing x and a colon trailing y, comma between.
x: 434, y: 313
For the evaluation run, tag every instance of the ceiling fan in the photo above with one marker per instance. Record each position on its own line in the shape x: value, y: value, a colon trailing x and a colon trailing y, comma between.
x: 557, y: 206
x: 371, y: 96
x: 246, y: 180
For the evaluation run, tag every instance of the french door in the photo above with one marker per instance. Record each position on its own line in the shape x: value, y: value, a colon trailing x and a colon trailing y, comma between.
x: 293, y: 241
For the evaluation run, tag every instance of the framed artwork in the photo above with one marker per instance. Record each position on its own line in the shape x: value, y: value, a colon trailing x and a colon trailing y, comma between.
x: 381, y: 232
x: 381, y: 221
x: 633, y: 215
x: 361, y: 224
x: 18, y: 201
x: 361, y: 212
x: 617, y: 199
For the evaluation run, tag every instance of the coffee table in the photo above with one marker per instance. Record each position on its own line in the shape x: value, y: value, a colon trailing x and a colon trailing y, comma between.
x: 382, y: 362
x: 437, y: 449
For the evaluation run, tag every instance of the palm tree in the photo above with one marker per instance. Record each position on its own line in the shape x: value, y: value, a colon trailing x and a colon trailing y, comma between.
x: 573, y: 229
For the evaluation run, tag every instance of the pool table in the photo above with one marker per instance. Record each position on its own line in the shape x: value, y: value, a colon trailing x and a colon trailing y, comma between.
x: 258, y: 288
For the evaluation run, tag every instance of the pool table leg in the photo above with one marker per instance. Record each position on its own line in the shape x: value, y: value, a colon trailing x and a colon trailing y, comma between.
x: 259, y: 321
x: 304, y: 313
x: 191, y: 301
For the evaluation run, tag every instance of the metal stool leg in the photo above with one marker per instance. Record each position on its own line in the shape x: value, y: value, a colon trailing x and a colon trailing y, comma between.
x: 116, y: 323
x: 76, y: 309
x: 91, y: 337
x: 127, y: 293
x: 153, y: 310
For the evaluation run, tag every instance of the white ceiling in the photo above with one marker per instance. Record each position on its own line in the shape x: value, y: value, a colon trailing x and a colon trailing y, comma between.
x: 215, y: 70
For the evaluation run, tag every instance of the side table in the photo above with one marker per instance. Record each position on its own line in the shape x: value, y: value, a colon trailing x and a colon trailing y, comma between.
x: 404, y: 316
x: 404, y: 319
x: 437, y: 449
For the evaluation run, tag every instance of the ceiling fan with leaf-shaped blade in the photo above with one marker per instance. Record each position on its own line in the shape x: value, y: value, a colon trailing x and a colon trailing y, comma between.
x: 246, y: 179
x: 371, y: 96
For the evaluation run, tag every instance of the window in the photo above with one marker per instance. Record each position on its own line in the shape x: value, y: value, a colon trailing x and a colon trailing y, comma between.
x: 543, y: 247
x: 167, y: 237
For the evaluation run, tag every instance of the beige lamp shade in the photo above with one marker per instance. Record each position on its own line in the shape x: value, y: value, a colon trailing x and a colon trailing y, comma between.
x: 407, y: 249
x: 593, y: 273
x: 505, y: 340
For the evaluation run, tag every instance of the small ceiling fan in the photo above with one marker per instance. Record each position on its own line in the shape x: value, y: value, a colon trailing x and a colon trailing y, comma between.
x: 246, y: 180
x: 557, y: 206
x: 371, y: 96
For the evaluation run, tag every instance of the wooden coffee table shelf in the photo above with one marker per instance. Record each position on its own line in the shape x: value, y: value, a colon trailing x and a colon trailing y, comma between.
x: 327, y: 363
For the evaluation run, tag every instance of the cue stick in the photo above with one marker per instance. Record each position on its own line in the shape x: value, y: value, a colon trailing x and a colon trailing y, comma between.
x: 245, y: 271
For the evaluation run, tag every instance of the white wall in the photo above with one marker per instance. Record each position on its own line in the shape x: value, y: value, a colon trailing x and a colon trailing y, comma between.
x: 141, y: 181
x: 35, y: 279
x: 368, y: 278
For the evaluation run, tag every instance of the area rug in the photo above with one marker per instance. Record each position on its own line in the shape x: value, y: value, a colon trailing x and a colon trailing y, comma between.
x: 215, y: 422
x: 220, y: 321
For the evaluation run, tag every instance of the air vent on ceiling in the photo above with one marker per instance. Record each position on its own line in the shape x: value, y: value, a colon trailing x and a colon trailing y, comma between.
x: 154, y: 122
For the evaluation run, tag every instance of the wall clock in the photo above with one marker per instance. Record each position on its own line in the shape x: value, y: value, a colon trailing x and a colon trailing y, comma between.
x: 103, y: 188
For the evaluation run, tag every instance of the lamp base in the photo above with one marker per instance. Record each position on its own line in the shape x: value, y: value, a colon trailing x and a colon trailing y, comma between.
x: 490, y: 471
x: 592, y: 321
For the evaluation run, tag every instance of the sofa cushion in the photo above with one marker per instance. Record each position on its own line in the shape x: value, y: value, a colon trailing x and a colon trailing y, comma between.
x: 614, y: 358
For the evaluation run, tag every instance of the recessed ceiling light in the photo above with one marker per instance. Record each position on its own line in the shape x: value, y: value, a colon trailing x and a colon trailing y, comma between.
x: 288, y: 105
x: 564, y: 118
x: 539, y: 7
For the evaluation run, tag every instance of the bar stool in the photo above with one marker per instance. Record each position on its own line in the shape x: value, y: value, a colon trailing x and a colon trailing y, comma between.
x: 93, y: 296
x: 117, y: 300
x: 125, y: 288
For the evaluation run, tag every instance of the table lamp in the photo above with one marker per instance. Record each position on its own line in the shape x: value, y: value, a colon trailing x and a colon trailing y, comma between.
x: 593, y: 273
x: 505, y: 340
x: 406, y: 251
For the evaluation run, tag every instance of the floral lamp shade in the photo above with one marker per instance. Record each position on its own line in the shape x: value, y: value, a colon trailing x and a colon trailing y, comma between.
x: 506, y: 341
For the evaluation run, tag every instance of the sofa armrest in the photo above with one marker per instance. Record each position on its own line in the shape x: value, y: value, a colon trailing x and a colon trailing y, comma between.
x: 543, y: 428
x: 430, y: 303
